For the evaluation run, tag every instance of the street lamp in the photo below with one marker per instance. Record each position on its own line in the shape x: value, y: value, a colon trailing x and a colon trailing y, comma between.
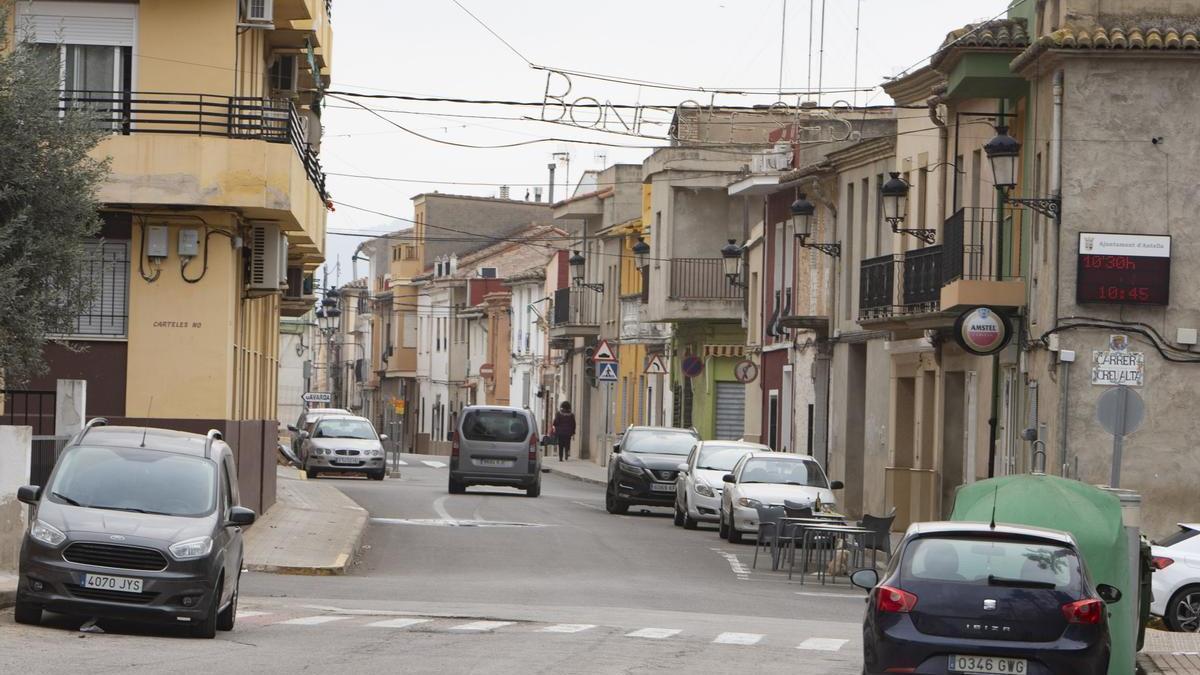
x: 731, y: 258
x: 640, y: 251
x: 329, y: 317
x: 576, y: 261
x: 1003, y: 153
x: 894, y: 194
x: 802, y: 213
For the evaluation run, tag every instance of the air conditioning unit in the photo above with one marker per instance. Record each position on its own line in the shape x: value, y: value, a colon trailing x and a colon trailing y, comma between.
x: 258, y: 10
x: 268, y: 258
x: 284, y: 74
x: 487, y: 273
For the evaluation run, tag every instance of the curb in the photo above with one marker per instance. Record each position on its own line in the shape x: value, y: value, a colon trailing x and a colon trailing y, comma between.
x: 8, y: 597
x: 572, y: 476
x: 1146, y: 665
x: 341, y: 563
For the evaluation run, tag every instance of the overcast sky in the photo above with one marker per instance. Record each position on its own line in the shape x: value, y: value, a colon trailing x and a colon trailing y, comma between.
x: 434, y: 48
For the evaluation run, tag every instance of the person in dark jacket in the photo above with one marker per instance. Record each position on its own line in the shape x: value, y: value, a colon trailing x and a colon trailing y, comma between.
x: 564, y: 430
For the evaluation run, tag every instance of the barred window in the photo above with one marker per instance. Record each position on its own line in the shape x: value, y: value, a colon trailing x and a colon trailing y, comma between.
x: 107, y: 270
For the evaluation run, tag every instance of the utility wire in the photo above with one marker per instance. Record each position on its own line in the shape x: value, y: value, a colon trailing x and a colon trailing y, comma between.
x: 494, y: 33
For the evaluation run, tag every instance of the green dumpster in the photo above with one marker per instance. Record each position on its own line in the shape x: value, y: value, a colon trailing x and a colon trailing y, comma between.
x: 1092, y: 515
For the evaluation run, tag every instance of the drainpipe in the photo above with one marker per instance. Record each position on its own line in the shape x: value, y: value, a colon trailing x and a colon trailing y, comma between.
x: 1056, y: 115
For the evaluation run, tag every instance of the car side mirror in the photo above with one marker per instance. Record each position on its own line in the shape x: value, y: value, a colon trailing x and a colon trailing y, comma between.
x: 383, y: 437
x: 865, y: 579
x: 1109, y: 594
x: 29, y: 494
x: 728, y: 478
x: 292, y: 428
x: 303, y: 434
x: 836, y: 485
x: 683, y: 468
x: 616, y: 447
x: 240, y: 515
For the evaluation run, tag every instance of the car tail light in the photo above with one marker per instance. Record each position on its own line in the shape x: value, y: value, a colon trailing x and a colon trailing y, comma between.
x: 1161, y: 562
x: 894, y: 600
x: 533, y: 447
x: 1089, y: 611
x: 454, y: 444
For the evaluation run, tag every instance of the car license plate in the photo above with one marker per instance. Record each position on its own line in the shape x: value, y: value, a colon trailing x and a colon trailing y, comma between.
x: 662, y: 487
x: 347, y: 461
x: 104, y: 582
x: 494, y: 462
x: 987, y: 665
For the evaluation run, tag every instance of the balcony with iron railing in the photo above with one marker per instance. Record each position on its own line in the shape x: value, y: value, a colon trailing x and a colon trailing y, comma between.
x: 208, y: 150
x: 973, y: 273
x: 692, y: 289
x: 575, y: 313
x: 904, y: 285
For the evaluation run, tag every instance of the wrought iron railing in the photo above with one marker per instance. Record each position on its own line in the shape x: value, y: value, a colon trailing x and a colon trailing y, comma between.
x: 575, y: 306
x: 970, y: 238
x: 701, y: 279
x: 922, y: 279
x: 266, y: 119
x: 877, y: 287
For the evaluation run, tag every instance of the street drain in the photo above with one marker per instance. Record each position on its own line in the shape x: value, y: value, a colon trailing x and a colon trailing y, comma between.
x: 447, y: 522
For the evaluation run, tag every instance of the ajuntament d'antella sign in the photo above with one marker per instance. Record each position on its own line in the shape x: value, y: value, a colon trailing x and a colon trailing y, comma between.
x: 1124, y: 269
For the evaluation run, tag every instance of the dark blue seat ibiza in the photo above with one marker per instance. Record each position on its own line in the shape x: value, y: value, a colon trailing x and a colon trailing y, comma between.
x: 987, y: 600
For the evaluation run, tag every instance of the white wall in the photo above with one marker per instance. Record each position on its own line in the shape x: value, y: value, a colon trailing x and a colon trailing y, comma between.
x: 15, y: 452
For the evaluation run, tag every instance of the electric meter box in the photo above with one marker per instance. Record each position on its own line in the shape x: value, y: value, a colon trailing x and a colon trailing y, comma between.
x: 156, y: 241
x: 189, y: 242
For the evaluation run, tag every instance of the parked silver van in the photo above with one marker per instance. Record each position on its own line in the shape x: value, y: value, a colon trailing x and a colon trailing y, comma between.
x: 496, y: 445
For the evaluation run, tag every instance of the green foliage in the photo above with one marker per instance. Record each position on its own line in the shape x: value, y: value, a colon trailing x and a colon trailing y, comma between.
x: 48, y: 208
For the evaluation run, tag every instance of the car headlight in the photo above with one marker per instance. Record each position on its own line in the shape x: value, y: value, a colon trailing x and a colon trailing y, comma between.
x: 704, y: 491
x: 748, y: 502
x: 630, y: 469
x: 47, y: 534
x: 190, y: 549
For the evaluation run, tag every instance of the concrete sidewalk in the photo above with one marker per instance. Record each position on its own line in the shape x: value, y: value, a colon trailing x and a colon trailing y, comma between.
x: 1167, y: 653
x: 577, y: 469
x: 312, y: 529
x: 8, y: 590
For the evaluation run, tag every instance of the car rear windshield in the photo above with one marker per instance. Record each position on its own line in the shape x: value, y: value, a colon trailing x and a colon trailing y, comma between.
x: 344, y: 428
x: 997, y: 562
x: 134, y: 479
x: 659, y: 442
x: 784, y: 471
x: 497, y: 426
x: 1183, y: 534
x: 720, y: 457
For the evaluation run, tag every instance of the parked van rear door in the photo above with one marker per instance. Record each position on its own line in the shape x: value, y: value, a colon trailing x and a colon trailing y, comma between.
x: 495, y: 441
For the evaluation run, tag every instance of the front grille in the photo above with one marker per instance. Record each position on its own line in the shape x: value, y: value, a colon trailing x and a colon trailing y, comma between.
x: 115, y: 556
x: 664, y: 475
x: 351, y: 453
x: 144, y: 598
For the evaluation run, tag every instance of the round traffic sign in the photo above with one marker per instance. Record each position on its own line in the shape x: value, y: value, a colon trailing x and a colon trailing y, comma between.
x: 692, y: 365
x: 487, y: 370
x: 1120, y: 411
x: 745, y: 371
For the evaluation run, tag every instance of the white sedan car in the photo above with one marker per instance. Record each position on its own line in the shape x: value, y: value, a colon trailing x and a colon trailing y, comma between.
x: 1176, y: 579
x: 769, y: 479
x: 698, y: 486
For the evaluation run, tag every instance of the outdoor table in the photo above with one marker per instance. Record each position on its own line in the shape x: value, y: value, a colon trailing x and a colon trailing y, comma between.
x: 842, y: 532
x: 802, y: 523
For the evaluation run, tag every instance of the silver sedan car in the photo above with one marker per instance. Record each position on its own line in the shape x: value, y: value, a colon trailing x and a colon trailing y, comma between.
x: 342, y: 444
x: 699, y: 484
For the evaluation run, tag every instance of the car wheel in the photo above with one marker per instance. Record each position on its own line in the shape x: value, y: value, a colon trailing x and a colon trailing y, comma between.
x: 534, y: 490
x: 735, y: 535
x: 378, y: 475
x: 689, y: 523
x: 722, y: 528
x: 1183, y: 611
x: 309, y: 473
x: 456, y: 488
x: 23, y: 612
x: 612, y: 504
x: 228, y: 617
x: 678, y: 516
x: 206, y: 629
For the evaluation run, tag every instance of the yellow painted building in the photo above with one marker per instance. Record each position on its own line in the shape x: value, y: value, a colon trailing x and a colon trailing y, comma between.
x: 214, y: 210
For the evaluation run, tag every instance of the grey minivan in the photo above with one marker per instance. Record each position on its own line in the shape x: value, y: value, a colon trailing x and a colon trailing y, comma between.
x: 138, y: 524
x: 495, y: 445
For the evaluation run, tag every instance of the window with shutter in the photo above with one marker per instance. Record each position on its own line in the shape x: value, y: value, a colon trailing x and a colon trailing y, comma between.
x: 106, y: 271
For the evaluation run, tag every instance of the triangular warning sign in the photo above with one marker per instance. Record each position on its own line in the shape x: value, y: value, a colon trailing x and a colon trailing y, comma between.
x: 656, y: 366
x: 604, y: 352
x: 606, y: 371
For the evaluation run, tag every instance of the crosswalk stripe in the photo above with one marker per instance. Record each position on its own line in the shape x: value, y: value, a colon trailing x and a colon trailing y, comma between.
x: 397, y: 623
x: 249, y: 614
x: 312, y: 620
x: 822, y: 644
x: 654, y: 633
x: 567, y: 628
x: 482, y: 625
x: 400, y: 462
x: 436, y: 465
x: 738, y: 639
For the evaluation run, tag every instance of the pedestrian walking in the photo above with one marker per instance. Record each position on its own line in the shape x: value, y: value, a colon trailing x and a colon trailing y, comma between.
x: 564, y: 430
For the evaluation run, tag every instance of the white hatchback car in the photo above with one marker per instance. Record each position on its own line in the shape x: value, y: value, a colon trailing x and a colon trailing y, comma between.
x: 1176, y: 579
x: 699, y: 483
x: 769, y: 479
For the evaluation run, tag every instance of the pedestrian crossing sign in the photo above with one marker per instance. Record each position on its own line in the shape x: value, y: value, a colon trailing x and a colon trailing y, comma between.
x: 606, y: 371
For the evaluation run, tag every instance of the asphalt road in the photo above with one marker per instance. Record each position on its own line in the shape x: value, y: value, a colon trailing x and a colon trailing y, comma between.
x: 494, y: 582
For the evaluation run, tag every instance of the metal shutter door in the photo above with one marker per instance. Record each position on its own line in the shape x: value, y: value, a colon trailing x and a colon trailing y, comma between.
x: 79, y: 23
x: 731, y: 411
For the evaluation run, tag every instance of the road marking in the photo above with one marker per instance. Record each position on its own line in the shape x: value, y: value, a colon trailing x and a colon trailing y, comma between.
x: 312, y: 620
x: 435, y: 465
x: 654, y: 633
x: 482, y: 625
x: 248, y: 614
x: 822, y: 644
x: 738, y: 639
x: 739, y: 570
x: 439, y: 507
x: 590, y: 506
x: 397, y: 623
x: 832, y: 595
x: 399, y: 462
x: 567, y: 628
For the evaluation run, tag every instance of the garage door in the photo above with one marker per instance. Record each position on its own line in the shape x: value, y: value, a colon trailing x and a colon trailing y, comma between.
x: 731, y: 411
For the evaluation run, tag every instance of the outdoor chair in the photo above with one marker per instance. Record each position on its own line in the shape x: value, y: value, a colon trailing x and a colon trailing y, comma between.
x: 797, y: 509
x: 880, y: 538
x: 768, y: 531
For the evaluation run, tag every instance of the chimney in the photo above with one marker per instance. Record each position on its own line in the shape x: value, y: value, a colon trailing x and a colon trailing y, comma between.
x: 503, y: 192
x: 537, y: 194
x: 552, y: 166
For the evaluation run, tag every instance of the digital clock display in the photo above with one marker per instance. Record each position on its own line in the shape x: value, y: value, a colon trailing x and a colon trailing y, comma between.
x: 1127, y: 269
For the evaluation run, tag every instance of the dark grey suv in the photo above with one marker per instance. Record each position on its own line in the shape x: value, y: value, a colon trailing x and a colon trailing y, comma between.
x: 137, y: 524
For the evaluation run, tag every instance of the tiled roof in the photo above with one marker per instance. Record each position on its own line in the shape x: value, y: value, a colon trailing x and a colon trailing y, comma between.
x: 1120, y: 33
x: 1000, y: 34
